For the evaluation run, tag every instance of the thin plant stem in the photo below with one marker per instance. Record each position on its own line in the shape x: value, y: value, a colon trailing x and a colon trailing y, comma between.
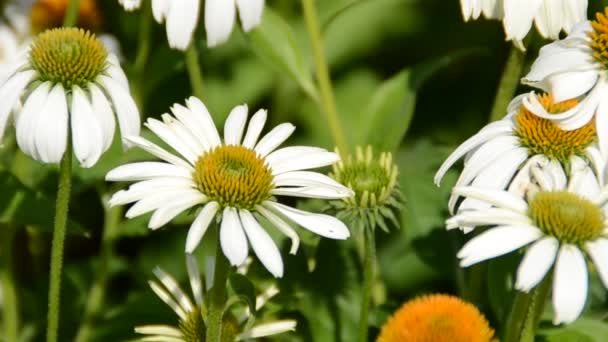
x: 98, y: 290
x: 195, y: 71
x: 61, y: 217
x: 71, y: 13
x: 369, y: 261
x: 143, y: 51
x: 508, y: 83
x: 328, y: 103
x: 9, y: 289
x: 525, y: 313
x: 218, y: 296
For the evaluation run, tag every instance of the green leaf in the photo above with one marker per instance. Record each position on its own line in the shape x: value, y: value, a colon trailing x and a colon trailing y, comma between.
x: 584, y: 329
x: 274, y: 42
x: 341, y: 11
x: 22, y: 205
x: 244, y: 289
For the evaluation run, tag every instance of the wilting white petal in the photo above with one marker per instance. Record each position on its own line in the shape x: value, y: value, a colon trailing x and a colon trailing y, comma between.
x: 103, y: 110
x: 51, y: 133
x: 10, y: 92
x: 28, y: 119
x: 181, y: 22
x: 87, y: 132
x: 250, y: 12
x: 126, y: 110
x: 219, y: 20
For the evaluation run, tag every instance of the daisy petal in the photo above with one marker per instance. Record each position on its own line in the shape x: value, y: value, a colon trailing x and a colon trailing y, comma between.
x: 200, y: 225
x: 52, y: 128
x: 324, y: 225
x: 250, y: 12
x: 235, y: 125
x: 261, y: 243
x: 536, y: 263
x: 268, y: 329
x: 569, y: 285
x: 219, y: 20
x: 10, y: 92
x: 232, y: 237
x: 87, y: 134
x: 28, y: 118
x: 274, y: 138
x: 146, y: 170
x: 598, y: 250
x: 181, y: 22
x: 256, y: 124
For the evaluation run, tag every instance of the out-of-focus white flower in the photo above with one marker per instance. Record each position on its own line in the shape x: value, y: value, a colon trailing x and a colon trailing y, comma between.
x: 232, y: 179
x: 191, y: 327
x: 64, y: 65
x: 575, y: 68
x: 499, y: 156
x: 549, y: 16
x: 561, y: 219
x: 182, y: 16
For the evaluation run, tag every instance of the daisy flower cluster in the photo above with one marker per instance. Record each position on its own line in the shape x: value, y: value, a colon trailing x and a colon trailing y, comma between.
x: 537, y: 177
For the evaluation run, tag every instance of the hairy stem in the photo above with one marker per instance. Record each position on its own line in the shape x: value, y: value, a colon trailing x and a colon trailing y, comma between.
x: 71, y: 13
x: 508, y: 83
x: 195, y: 71
x: 369, y: 261
x: 218, y: 296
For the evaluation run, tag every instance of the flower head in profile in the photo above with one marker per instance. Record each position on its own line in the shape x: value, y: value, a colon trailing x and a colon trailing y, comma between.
x: 549, y: 16
x: 231, y: 179
x: 377, y: 197
x: 437, y: 318
x: 500, y: 155
x: 220, y: 15
x: 560, y: 219
x: 192, y: 313
x: 71, y: 86
x: 575, y: 68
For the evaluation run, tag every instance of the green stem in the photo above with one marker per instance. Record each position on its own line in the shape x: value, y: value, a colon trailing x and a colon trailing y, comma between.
x: 508, y: 83
x: 143, y: 50
x: 61, y: 217
x: 328, y: 104
x: 526, y: 312
x: 218, y: 297
x: 97, y: 293
x: 194, y: 71
x: 9, y: 290
x: 71, y: 14
x: 369, y: 261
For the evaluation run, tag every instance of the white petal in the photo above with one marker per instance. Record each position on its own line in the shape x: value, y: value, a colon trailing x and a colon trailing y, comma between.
x: 104, y: 113
x: 232, y: 237
x: 170, y: 210
x: 488, y: 216
x: 130, y: 5
x: 274, y: 138
x: 268, y: 329
x: 194, y: 275
x: 569, y: 285
x: 313, y: 192
x: 496, y: 242
x: 598, y: 250
x: 536, y: 263
x: 173, y: 289
x: 519, y: 15
x: 143, y: 189
x: 185, y: 135
x: 501, y: 199
x: 601, y: 120
x: 166, y: 297
x: 306, y: 178
x: 570, y: 85
x: 87, y: 133
x: 124, y: 106
x: 160, y: 8
x: 250, y: 12
x: 286, y: 154
x: 201, y: 114
x: 189, y: 120
x: 256, y: 124
x: 177, y: 142
x: 146, y: 170
x: 490, y: 131
x: 27, y: 120
x: 282, y: 226
x: 549, y: 19
x: 181, y: 22
x: 324, y: 225
x: 582, y: 179
x: 10, y: 93
x: 261, y: 243
x: 158, y: 151
x: 200, y: 225
x: 162, y: 330
x: 52, y: 128
x: 165, y: 200
x: 219, y: 20
x: 235, y: 125
x: 304, y: 161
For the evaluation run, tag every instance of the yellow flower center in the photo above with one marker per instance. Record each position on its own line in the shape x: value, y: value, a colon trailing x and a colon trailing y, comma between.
x: 437, y: 318
x: 566, y: 216
x: 193, y: 328
x: 48, y: 14
x: 69, y: 56
x: 234, y: 176
x: 599, y: 37
x: 542, y: 136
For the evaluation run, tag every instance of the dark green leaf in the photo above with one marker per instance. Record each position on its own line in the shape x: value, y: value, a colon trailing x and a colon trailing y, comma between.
x: 244, y: 289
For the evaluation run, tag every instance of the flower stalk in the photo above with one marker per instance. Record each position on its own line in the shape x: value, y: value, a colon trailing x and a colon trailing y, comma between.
x: 525, y: 313
x: 218, y: 296
x: 71, y: 13
x: 9, y: 288
x: 195, y: 71
x: 61, y: 217
x: 508, y: 83
x: 328, y: 103
x: 369, y: 261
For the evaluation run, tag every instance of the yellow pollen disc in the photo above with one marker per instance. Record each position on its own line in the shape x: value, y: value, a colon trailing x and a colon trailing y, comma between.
x: 599, y: 37
x: 437, y: 318
x: 566, y: 216
x: 69, y: 56
x: 234, y: 176
x: 542, y: 136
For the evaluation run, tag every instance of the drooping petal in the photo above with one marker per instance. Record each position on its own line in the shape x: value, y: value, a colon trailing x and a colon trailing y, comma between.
x: 536, y: 263
x: 130, y: 5
x: 598, y: 251
x: 27, y: 120
x: 160, y: 8
x: 323, y: 225
x: 549, y: 19
x: 194, y: 275
x: 250, y: 12
x: 87, y: 133
x: 199, y: 226
x: 181, y: 22
x: 52, y: 128
x: 569, y: 285
x: 103, y: 110
x: 9, y: 93
x: 219, y: 20
x: 232, y: 237
x: 519, y: 15
x: 261, y: 243
x: 126, y: 110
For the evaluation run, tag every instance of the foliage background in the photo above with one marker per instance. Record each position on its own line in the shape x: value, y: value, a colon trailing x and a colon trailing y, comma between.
x: 409, y: 76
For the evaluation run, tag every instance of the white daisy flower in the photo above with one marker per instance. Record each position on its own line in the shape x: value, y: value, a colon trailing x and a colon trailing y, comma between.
x: 561, y: 220
x: 191, y: 327
x: 70, y: 86
x: 220, y: 15
x: 231, y: 179
x: 574, y: 68
x: 499, y: 156
x: 549, y: 16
